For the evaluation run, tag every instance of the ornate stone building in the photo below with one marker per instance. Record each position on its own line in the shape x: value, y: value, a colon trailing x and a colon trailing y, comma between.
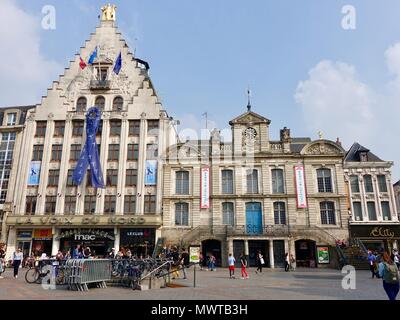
x: 50, y: 211
x: 255, y: 194
x: 374, y: 218
x: 396, y: 189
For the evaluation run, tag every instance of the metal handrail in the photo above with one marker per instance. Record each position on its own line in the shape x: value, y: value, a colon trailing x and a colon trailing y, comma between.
x: 361, y: 245
x: 156, y: 269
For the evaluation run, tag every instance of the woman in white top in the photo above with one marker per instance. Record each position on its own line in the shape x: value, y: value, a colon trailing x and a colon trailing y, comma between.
x: 17, y: 258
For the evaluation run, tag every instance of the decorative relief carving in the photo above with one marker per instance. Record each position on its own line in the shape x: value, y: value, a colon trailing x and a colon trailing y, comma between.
x: 322, y: 148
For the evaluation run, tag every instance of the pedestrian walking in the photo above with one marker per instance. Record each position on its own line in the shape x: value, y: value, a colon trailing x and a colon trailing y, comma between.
x: 201, y: 262
x: 231, y: 266
x: 390, y: 275
x: 185, y: 262
x: 175, y: 263
x: 211, y: 262
x: 76, y: 253
x: 287, y: 262
x: 371, y: 262
x: 243, y: 263
x: 260, y: 261
x: 395, y: 257
x: 17, y: 258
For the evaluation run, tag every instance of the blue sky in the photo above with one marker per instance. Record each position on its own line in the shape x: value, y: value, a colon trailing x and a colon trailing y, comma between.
x: 204, y: 54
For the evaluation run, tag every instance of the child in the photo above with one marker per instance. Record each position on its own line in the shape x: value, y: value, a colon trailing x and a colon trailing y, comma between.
x: 243, y: 262
x: 231, y: 264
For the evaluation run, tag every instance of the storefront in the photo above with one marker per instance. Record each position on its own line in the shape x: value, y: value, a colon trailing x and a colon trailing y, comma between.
x: 100, y: 241
x: 36, y: 241
x: 377, y: 237
x: 140, y: 241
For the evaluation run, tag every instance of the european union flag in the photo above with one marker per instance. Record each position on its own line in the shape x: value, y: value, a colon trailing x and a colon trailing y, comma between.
x: 118, y: 64
x: 93, y: 56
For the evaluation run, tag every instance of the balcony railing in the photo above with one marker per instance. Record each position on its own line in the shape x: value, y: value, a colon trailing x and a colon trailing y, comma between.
x: 249, y: 229
x: 100, y: 84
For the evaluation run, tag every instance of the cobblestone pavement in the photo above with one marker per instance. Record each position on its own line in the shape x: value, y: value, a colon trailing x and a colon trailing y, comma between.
x: 307, y: 284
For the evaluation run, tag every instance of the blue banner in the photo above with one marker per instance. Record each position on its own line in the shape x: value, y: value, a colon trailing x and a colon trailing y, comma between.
x: 151, y: 172
x: 90, y: 154
x: 34, y: 173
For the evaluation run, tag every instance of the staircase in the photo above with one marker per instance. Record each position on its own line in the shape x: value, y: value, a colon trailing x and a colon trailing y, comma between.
x: 356, y: 255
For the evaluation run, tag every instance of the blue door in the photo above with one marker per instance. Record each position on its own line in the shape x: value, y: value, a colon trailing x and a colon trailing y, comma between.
x: 253, y: 218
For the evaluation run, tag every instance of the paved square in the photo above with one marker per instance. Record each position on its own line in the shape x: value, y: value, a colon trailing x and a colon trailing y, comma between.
x: 307, y: 284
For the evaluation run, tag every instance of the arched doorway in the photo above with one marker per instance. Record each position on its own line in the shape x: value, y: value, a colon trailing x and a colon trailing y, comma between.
x: 209, y: 247
x: 306, y: 253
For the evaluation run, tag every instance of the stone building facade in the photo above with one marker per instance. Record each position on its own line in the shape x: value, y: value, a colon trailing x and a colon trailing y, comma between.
x: 396, y: 189
x: 12, y: 122
x: 268, y: 196
x: 50, y: 211
x: 374, y: 219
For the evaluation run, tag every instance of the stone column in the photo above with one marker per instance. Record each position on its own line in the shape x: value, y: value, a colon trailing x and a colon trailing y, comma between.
x: 230, y: 246
x: 56, y: 242
x: 117, y: 239
x: 11, y: 242
x: 271, y: 254
x: 246, y: 247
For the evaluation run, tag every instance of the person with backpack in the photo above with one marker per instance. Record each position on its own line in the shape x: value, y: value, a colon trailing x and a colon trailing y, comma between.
x: 390, y: 275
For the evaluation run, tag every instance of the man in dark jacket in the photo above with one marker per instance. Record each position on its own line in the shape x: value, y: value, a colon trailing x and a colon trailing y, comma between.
x: 184, y: 261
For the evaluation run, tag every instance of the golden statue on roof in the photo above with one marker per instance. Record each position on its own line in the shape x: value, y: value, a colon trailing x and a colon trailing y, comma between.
x: 108, y: 12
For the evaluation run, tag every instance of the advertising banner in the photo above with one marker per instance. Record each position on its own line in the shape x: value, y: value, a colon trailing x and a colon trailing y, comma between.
x: 301, y: 194
x: 323, y: 255
x: 34, y: 173
x: 205, y: 188
x: 194, y: 254
x: 151, y: 173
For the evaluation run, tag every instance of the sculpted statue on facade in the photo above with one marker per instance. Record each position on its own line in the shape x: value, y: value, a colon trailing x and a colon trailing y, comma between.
x: 108, y: 12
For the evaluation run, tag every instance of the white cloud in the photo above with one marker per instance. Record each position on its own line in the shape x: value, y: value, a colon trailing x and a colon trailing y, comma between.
x: 24, y: 73
x: 335, y: 101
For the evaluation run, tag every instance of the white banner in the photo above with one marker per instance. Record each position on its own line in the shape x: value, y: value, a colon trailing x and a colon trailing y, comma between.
x: 301, y: 193
x: 205, y: 188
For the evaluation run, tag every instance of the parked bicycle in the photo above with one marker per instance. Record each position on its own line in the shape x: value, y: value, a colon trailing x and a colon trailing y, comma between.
x: 41, y: 269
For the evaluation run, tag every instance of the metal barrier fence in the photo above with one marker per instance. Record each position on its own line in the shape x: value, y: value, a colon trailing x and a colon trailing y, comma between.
x: 81, y: 272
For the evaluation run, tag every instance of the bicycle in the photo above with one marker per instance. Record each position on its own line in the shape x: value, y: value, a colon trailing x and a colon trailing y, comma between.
x: 35, y: 274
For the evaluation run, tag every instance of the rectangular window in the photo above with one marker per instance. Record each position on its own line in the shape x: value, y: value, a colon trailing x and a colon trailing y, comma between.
x: 30, y: 206
x: 90, y: 204
x: 277, y: 181
x: 77, y: 128
x: 70, y: 182
x: 181, y: 214
x: 11, y: 119
x: 151, y: 151
x: 88, y: 178
x: 133, y: 151
x: 327, y: 210
x: 130, y: 204
x: 382, y: 183
x: 56, y: 152
x: 371, y: 211
x: 112, y: 178
x: 115, y: 127
x: 324, y: 180
x: 354, y: 184
x: 252, y: 181
x: 110, y: 204
x: 59, y: 127
x: 368, y: 184
x: 50, y: 206
x: 40, y: 129
x: 149, y: 204
x: 134, y: 127
x: 279, y: 213
x: 227, y: 181
x: 131, y: 177
x: 152, y: 127
x: 53, y: 178
x: 70, y: 205
x: 228, y: 215
x: 37, y: 152
x: 100, y: 129
x: 182, y: 182
x: 113, y: 152
x: 386, y: 215
x: 75, y: 152
x: 358, y: 215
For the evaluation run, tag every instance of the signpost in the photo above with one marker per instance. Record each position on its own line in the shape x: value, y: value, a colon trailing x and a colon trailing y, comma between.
x: 194, y: 257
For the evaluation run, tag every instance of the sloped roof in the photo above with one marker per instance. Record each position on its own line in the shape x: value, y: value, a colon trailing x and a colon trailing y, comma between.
x: 356, y: 148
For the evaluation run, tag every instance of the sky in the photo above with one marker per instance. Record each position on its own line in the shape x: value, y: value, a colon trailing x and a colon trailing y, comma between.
x: 305, y: 71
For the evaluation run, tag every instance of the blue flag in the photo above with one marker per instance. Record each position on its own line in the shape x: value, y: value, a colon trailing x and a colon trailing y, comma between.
x: 90, y: 154
x: 93, y: 56
x: 118, y: 64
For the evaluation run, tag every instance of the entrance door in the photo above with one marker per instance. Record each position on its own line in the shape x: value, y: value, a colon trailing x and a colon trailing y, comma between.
x: 212, y: 247
x: 279, y: 253
x: 254, y: 247
x: 253, y: 218
x: 305, y: 253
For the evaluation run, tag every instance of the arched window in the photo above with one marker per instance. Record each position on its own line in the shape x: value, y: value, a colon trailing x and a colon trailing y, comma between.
x: 182, y: 182
x: 228, y: 214
x: 327, y: 209
x: 279, y: 213
x: 118, y: 104
x: 324, y: 180
x: 181, y: 214
x: 100, y: 102
x: 81, y: 104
